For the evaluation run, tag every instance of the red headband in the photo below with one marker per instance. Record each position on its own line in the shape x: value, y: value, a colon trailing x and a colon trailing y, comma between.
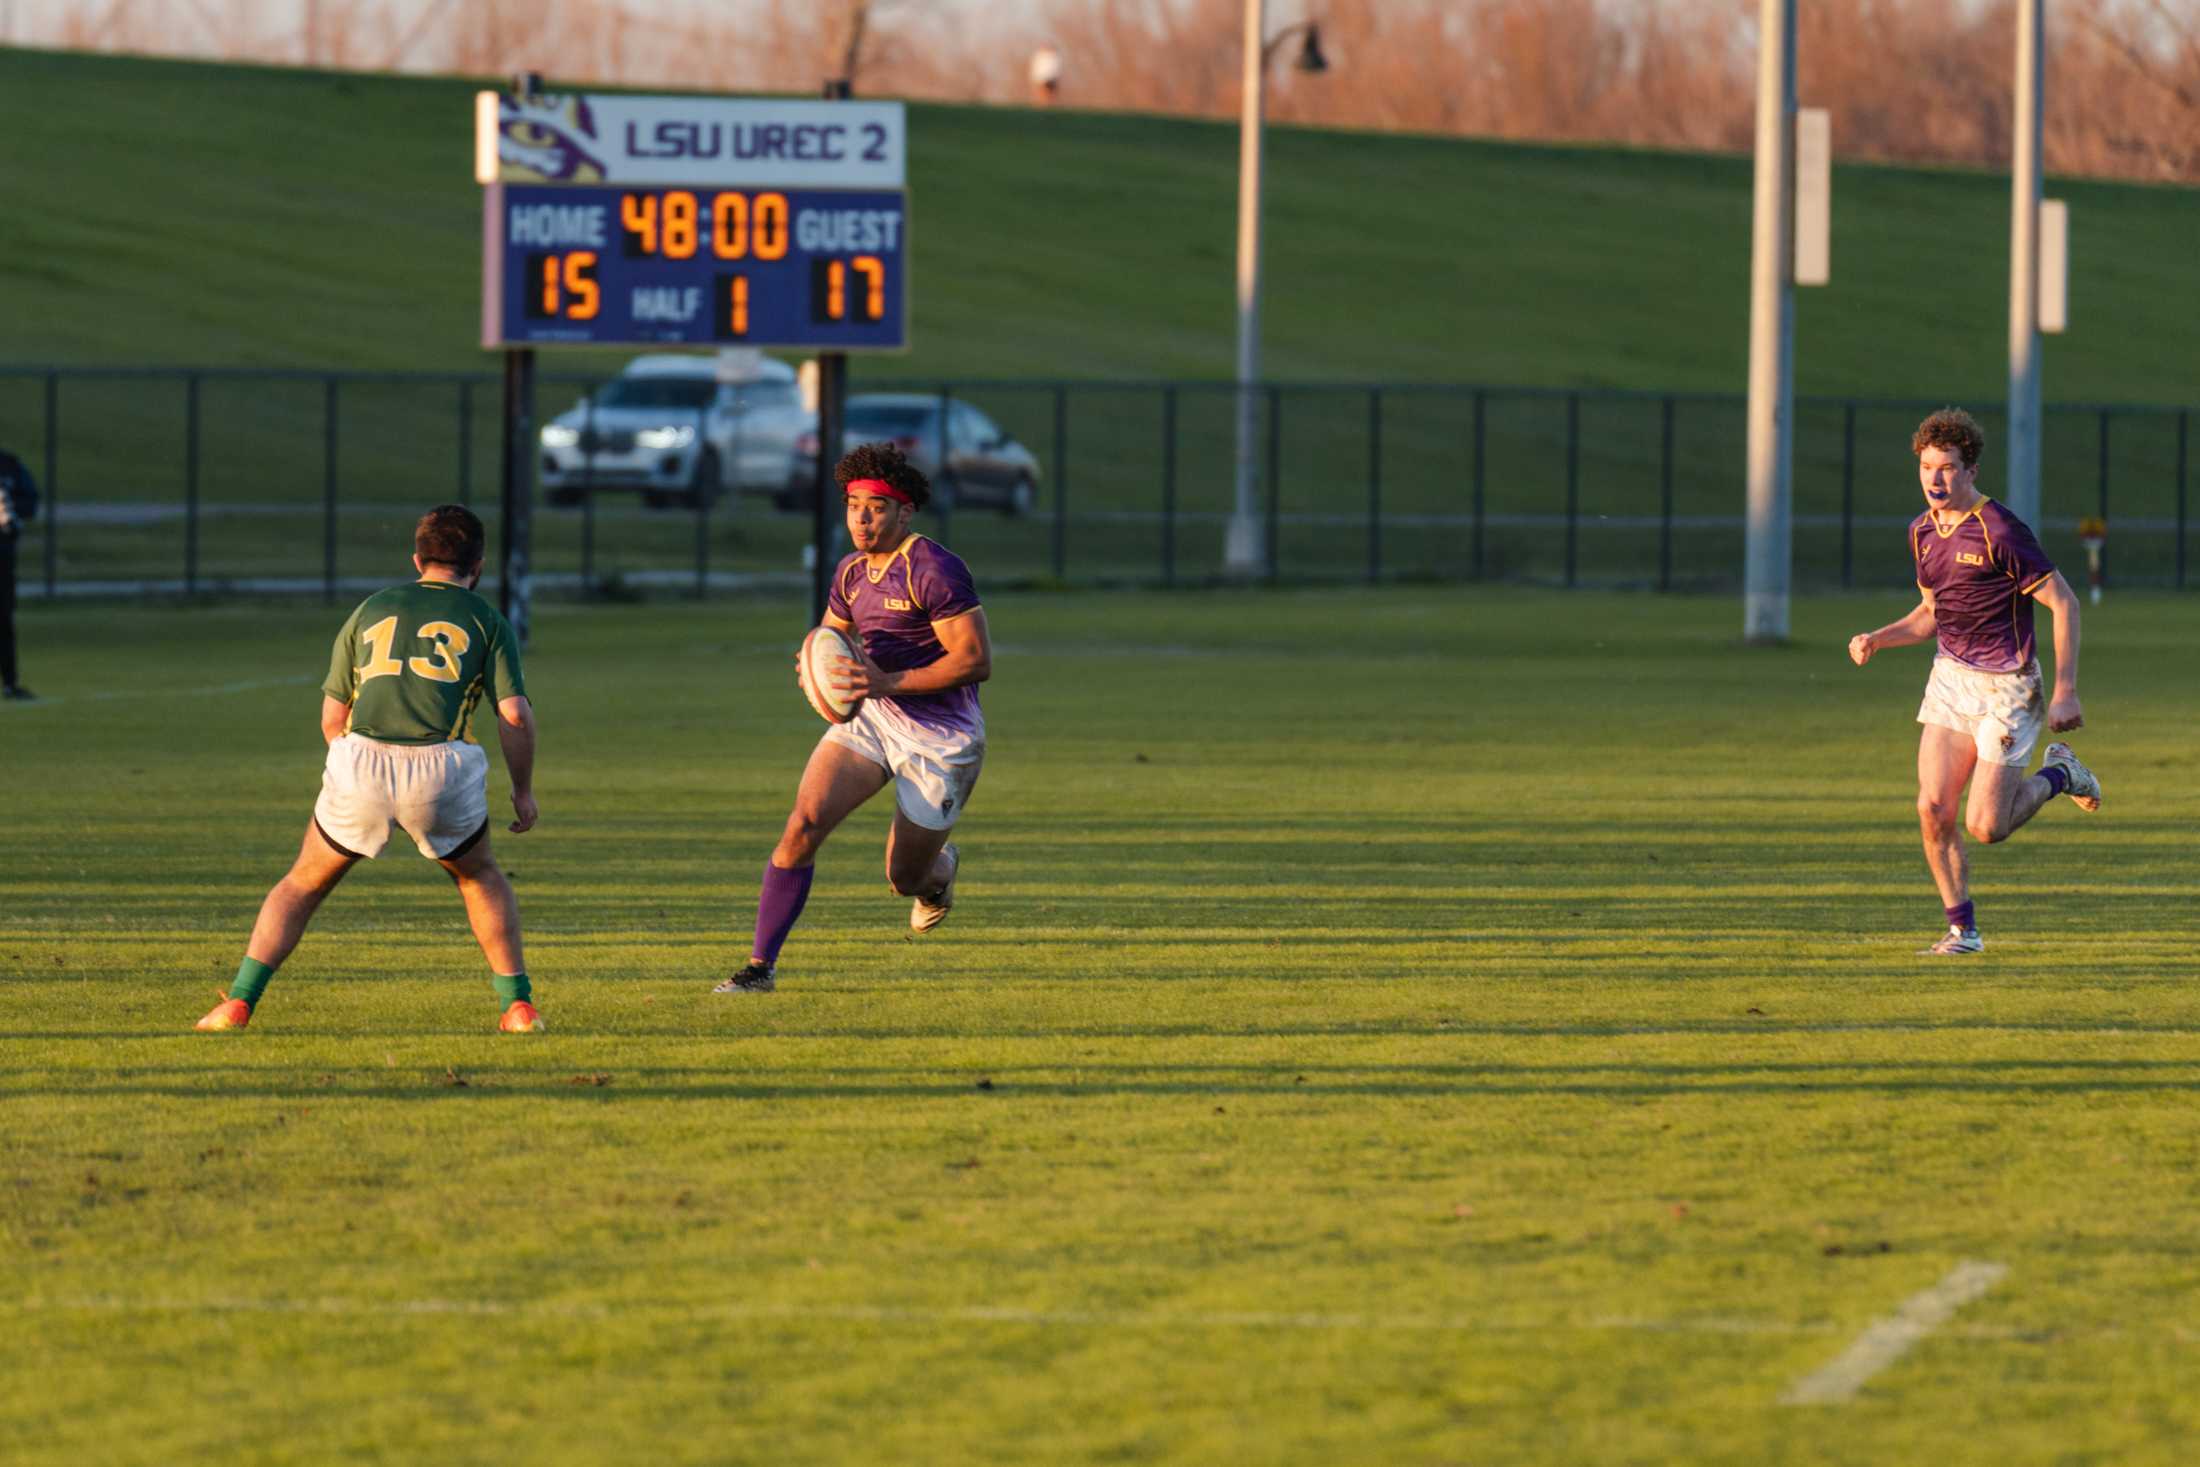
x: 877, y: 486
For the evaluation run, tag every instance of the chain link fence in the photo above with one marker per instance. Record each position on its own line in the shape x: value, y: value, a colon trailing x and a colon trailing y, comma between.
x: 167, y: 481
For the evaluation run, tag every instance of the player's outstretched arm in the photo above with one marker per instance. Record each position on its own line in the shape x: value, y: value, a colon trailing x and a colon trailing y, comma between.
x: 2063, y: 710
x: 516, y: 736
x: 1919, y: 626
x: 335, y: 719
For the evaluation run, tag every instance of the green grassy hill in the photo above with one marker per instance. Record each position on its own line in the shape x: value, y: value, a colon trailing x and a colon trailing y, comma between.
x: 170, y: 212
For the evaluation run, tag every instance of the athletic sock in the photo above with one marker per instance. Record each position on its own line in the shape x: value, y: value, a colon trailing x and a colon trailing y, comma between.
x: 1960, y: 915
x: 778, y: 903
x: 512, y: 988
x: 2058, y: 779
x: 251, y: 981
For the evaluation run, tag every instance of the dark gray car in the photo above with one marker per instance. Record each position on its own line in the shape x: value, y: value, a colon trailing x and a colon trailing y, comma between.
x: 982, y: 468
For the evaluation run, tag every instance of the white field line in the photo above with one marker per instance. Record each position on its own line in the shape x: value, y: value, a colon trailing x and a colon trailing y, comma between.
x: 211, y: 690
x: 1887, y: 1340
x: 1256, y: 1320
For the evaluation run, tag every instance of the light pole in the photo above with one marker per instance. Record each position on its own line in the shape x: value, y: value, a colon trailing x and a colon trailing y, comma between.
x: 1243, y: 553
x: 1770, y: 441
x: 2023, y: 488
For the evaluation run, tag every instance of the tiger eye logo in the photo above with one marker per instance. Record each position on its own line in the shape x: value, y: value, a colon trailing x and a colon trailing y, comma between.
x: 542, y: 139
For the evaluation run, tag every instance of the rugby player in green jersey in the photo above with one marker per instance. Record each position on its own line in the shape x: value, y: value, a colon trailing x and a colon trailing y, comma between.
x: 408, y: 670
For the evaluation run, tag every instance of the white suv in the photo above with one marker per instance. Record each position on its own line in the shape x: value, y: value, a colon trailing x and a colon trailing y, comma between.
x: 681, y: 429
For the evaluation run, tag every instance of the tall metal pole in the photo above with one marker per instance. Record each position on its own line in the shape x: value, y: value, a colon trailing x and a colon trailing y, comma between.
x: 516, y: 468
x: 1768, y: 555
x: 1243, y: 553
x: 832, y: 421
x: 2022, y: 492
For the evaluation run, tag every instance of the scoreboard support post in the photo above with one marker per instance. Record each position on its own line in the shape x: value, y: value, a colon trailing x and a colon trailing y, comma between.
x: 515, y: 573
x: 832, y: 420
x: 832, y: 417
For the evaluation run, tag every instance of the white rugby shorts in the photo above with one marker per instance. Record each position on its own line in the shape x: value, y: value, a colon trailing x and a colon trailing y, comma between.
x: 934, y: 772
x: 2003, y: 712
x: 439, y: 793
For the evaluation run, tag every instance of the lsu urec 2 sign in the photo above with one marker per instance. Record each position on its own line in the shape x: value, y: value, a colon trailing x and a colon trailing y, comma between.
x: 636, y: 221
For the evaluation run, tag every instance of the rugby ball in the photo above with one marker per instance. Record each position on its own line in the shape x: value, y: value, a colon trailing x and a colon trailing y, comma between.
x: 822, y: 650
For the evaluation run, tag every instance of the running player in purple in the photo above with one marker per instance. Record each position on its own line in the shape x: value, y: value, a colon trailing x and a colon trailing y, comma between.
x: 1980, y: 570
x: 925, y: 650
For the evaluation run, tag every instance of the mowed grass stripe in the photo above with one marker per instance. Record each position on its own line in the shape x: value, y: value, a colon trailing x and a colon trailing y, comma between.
x: 1319, y: 1014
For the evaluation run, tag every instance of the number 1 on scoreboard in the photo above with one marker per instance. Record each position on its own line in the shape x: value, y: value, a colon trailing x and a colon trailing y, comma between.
x: 732, y: 311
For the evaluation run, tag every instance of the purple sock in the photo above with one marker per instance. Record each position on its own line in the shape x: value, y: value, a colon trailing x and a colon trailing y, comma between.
x: 778, y: 902
x: 2058, y: 779
x: 1960, y: 915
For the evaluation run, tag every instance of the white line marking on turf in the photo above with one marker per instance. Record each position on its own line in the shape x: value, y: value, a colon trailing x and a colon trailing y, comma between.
x: 216, y: 690
x: 947, y: 1314
x: 1889, y: 1339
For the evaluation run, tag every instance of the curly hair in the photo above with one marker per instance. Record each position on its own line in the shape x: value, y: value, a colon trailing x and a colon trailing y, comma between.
x: 450, y: 535
x: 1951, y: 428
x: 884, y: 461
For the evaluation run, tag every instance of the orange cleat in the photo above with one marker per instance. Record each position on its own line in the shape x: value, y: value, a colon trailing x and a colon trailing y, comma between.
x: 521, y: 1018
x: 230, y: 1013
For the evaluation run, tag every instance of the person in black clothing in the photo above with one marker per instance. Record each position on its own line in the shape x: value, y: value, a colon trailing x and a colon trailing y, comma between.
x: 18, y: 503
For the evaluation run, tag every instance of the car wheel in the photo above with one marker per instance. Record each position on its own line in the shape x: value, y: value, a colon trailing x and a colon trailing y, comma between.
x: 561, y: 497
x: 655, y: 499
x: 1022, y: 495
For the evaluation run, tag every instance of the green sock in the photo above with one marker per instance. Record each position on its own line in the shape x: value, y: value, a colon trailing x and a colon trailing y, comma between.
x: 512, y: 988
x: 251, y: 982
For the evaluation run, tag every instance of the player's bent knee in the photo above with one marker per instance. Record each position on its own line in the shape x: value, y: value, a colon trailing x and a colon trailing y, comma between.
x: 1987, y: 832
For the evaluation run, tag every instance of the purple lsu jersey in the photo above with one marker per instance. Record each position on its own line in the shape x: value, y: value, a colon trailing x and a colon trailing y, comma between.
x: 893, y: 610
x: 1982, y: 573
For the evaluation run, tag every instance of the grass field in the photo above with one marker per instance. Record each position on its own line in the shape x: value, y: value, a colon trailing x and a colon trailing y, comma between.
x: 1409, y: 1026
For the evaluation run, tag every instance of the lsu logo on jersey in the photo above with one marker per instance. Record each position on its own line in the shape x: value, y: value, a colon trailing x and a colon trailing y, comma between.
x: 1965, y: 557
x: 895, y: 603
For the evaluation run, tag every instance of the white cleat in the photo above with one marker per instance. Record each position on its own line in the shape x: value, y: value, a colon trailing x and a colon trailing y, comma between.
x: 929, y: 912
x: 2084, y: 786
x: 1959, y: 942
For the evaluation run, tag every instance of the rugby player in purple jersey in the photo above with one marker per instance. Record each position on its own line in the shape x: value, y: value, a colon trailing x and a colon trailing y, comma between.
x: 1980, y: 569
x: 925, y: 649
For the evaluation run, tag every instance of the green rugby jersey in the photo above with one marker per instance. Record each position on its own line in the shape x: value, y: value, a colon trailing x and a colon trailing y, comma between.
x: 413, y: 661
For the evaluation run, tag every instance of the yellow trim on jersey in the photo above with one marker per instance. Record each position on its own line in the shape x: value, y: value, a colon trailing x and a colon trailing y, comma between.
x: 1934, y: 521
x: 2043, y: 580
x: 908, y: 569
x: 472, y: 700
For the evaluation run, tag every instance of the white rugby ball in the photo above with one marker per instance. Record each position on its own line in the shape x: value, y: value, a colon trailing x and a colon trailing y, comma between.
x: 822, y: 650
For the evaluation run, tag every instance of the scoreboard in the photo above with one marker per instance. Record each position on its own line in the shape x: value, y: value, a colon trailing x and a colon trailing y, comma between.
x: 649, y: 221
x: 789, y: 267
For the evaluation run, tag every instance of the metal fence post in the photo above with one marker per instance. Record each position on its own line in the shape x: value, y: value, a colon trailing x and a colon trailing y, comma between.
x: 2184, y: 421
x: 191, y: 484
x: 1275, y: 479
x: 1480, y: 402
x: 1168, y: 486
x: 947, y: 510
x: 1848, y: 494
x: 1665, y: 494
x: 2103, y: 510
x: 466, y: 442
x: 1374, y: 485
x: 1573, y: 482
x: 702, y: 535
x: 53, y: 478
x: 1061, y: 481
x: 589, y: 446
x: 328, y: 491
